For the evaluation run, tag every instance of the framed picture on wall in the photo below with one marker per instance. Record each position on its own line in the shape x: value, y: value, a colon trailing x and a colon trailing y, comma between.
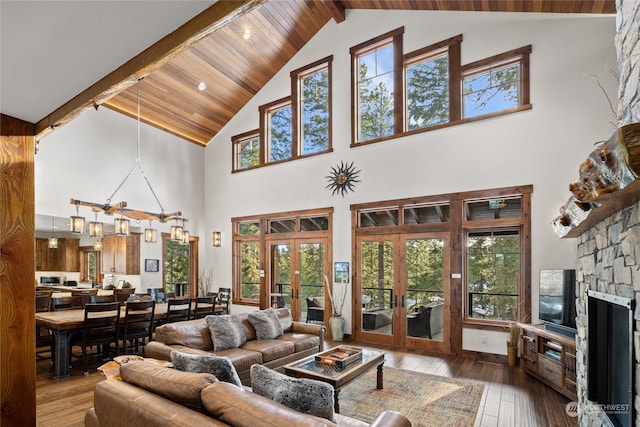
x: 341, y: 272
x: 151, y: 264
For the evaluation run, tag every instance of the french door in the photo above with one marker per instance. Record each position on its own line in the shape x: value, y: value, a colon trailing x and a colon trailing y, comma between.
x: 402, y: 290
x: 296, y: 270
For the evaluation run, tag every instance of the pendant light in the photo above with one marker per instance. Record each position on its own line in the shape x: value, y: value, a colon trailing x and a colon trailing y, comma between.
x: 150, y: 234
x: 185, y: 238
x: 95, y: 227
x: 53, y: 241
x: 121, y: 226
x: 177, y: 232
x: 109, y: 208
x: 76, y: 225
x: 97, y: 246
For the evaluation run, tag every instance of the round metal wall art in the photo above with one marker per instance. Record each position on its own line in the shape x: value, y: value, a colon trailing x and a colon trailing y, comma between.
x: 342, y: 178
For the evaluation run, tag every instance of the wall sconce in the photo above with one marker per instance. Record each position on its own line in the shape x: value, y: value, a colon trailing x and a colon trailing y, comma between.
x: 121, y: 226
x: 76, y: 225
x: 217, y: 239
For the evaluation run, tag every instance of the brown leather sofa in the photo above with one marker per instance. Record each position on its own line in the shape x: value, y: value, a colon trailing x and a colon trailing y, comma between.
x: 153, y: 396
x: 193, y: 336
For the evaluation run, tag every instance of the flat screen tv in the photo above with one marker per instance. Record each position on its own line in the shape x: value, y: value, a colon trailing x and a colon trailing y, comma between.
x: 558, y: 300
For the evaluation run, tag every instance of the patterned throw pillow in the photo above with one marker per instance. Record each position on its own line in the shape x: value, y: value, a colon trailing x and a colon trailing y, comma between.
x: 221, y: 367
x: 266, y: 323
x: 300, y: 394
x: 226, y: 332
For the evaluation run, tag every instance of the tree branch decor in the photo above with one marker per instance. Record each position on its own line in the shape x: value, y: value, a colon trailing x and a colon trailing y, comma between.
x: 336, y: 303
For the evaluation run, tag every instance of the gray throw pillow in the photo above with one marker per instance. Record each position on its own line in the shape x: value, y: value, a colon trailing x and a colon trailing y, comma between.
x: 221, y: 367
x: 266, y: 324
x: 226, y: 332
x: 300, y: 394
x: 285, y: 321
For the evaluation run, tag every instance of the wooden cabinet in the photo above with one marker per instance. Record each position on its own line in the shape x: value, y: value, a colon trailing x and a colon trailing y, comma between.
x: 550, y: 357
x: 66, y: 257
x: 121, y: 254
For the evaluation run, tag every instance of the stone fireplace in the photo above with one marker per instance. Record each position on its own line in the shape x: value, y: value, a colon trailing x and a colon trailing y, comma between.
x: 608, y: 263
x: 603, y: 213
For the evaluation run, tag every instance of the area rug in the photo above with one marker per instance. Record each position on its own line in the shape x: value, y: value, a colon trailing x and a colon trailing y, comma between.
x: 427, y: 400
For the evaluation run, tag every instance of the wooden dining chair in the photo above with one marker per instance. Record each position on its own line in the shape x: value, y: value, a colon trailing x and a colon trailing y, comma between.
x: 138, y: 324
x: 103, y: 298
x: 84, y: 294
x: 44, y: 338
x: 224, y: 296
x: 66, y: 303
x: 205, y: 306
x: 101, y: 328
x: 123, y: 294
x: 178, y: 309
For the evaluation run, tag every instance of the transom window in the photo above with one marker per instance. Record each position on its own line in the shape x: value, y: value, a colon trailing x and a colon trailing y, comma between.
x: 314, y: 108
x: 496, y: 84
x: 246, y: 150
x: 427, y: 91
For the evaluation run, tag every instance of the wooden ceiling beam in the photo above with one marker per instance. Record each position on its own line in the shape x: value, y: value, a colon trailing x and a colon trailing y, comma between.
x: 337, y: 10
x: 161, y: 52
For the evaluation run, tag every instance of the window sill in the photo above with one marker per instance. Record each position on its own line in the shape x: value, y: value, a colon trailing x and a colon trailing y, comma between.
x: 251, y: 303
x: 488, y: 325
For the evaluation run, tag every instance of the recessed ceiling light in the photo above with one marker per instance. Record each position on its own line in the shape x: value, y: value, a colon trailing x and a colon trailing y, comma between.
x: 202, y: 86
x: 246, y: 34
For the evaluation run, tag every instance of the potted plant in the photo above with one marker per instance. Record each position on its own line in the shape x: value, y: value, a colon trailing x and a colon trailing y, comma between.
x: 336, y: 322
x: 512, y: 343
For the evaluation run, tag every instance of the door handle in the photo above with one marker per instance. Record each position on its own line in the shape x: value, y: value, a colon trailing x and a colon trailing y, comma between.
x: 402, y: 301
x: 297, y: 294
x: 395, y: 299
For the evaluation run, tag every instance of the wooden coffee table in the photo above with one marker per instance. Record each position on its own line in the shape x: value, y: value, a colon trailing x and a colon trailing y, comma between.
x: 336, y: 376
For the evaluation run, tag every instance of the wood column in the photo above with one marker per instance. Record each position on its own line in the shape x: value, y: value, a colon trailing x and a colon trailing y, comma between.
x: 17, y: 273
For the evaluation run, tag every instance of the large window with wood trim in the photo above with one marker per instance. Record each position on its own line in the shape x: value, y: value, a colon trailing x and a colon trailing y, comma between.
x: 497, y: 258
x: 396, y: 94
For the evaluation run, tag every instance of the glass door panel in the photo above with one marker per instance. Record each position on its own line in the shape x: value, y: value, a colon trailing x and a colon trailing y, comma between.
x: 311, y: 266
x: 377, y: 282
x: 280, y: 275
x: 424, y: 288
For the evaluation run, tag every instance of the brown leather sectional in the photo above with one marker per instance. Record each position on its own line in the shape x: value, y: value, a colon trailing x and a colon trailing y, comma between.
x: 300, y: 340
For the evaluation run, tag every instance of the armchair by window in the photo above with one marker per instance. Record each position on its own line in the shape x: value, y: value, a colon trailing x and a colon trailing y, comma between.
x: 315, y: 309
x: 426, y: 321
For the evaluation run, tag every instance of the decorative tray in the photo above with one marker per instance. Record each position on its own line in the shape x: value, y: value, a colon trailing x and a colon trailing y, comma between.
x: 340, y: 356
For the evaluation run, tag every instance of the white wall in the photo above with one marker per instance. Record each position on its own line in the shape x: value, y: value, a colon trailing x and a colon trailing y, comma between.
x: 543, y: 146
x: 88, y: 158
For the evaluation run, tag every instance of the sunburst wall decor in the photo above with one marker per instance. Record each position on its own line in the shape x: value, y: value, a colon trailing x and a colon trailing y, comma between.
x: 342, y: 178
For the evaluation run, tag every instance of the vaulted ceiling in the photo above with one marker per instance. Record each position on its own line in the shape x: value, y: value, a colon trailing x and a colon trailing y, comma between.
x: 213, y: 48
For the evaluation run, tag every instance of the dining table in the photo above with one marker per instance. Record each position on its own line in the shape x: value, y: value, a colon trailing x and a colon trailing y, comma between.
x: 65, y: 324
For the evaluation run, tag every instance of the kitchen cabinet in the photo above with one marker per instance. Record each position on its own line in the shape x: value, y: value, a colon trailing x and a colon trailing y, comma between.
x: 66, y: 257
x: 121, y: 254
x: 550, y: 357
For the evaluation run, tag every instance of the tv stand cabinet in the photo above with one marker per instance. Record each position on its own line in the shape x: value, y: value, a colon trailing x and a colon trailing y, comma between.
x: 549, y: 357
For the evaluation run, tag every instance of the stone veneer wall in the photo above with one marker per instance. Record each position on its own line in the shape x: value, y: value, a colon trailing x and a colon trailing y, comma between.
x: 628, y: 53
x: 609, y: 262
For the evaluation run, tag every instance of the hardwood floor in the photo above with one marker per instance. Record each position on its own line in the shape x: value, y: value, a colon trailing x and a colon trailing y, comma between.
x: 511, y: 398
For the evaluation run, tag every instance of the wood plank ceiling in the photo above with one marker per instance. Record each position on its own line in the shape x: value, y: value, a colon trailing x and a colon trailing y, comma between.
x: 234, y: 69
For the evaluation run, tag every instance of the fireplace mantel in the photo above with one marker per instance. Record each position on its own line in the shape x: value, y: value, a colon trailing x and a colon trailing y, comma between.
x: 609, y: 181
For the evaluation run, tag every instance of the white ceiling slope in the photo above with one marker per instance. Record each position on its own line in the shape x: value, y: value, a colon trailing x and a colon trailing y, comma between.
x: 52, y: 50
